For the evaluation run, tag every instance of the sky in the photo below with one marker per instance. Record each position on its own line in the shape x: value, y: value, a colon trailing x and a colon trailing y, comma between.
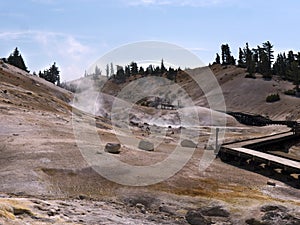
x: 76, y: 33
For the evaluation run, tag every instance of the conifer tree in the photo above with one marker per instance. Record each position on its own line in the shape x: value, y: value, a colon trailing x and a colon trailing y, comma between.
x: 227, y: 58
x: 51, y: 74
x: 162, y: 67
x: 120, y: 76
x: 141, y: 71
x: 127, y: 71
x: 112, y: 71
x: 134, y: 68
x: 293, y: 73
x: 218, y: 60
x: 268, y: 47
x: 242, y: 59
x: 107, y: 70
x: 16, y: 60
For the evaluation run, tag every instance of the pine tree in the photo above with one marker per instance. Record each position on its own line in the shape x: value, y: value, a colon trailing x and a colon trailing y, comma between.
x: 54, y: 72
x: 107, y: 70
x: 218, y: 60
x: 224, y: 49
x: 242, y: 59
x: 290, y: 59
x: 127, y: 71
x: 112, y: 71
x: 231, y: 60
x: 249, y: 60
x: 97, y: 71
x: 120, y: 76
x: 263, y: 65
x: 227, y: 58
x: 51, y: 74
x: 293, y: 73
x: 149, y: 70
x: 162, y: 67
x: 141, y: 71
x: 280, y: 66
x: 268, y: 47
x: 134, y: 68
x: 16, y: 60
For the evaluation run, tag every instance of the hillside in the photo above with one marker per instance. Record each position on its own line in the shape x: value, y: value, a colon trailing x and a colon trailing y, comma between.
x: 45, y: 177
x: 241, y: 94
x: 249, y: 95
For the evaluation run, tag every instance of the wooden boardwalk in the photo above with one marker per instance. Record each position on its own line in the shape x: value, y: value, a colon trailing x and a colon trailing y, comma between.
x: 238, y: 151
x: 269, y: 138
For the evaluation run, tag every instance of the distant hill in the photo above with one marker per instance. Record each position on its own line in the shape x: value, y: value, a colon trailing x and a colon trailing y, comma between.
x: 241, y: 94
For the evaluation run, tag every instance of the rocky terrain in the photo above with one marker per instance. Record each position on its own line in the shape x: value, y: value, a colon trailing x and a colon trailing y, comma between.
x: 45, y: 178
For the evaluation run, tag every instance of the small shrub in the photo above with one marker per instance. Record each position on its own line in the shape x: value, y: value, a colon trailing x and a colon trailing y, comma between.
x: 290, y: 92
x: 273, y: 98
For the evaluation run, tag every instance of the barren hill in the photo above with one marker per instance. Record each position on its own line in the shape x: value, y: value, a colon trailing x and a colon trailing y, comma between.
x: 241, y: 94
x: 46, y: 179
x: 249, y: 95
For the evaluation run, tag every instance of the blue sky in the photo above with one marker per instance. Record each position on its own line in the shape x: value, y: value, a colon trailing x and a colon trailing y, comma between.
x: 75, y: 33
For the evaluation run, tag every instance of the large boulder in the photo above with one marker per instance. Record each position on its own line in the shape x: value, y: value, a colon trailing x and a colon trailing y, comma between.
x: 146, y: 145
x: 216, y: 211
x: 195, y: 217
x: 188, y: 144
x: 113, y: 148
x: 267, y: 208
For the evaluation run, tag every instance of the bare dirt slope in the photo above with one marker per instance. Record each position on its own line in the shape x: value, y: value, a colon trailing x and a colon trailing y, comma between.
x: 241, y: 94
x: 249, y: 95
x: 45, y: 179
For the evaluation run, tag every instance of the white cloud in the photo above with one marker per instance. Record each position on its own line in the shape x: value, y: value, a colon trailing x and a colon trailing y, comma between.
x: 68, y: 51
x: 75, y: 49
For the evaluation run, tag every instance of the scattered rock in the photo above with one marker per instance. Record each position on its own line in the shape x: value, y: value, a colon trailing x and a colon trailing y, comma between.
x: 146, y: 200
x: 83, y: 197
x: 132, y: 123
x: 271, y: 183
x: 217, y: 211
x: 194, y: 217
x: 18, y: 210
x: 52, y: 212
x: 146, y: 145
x: 143, y: 210
x: 188, y: 144
x: 167, y: 209
x: 267, y: 208
x: 141, y: 207
x: 113, y: 148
